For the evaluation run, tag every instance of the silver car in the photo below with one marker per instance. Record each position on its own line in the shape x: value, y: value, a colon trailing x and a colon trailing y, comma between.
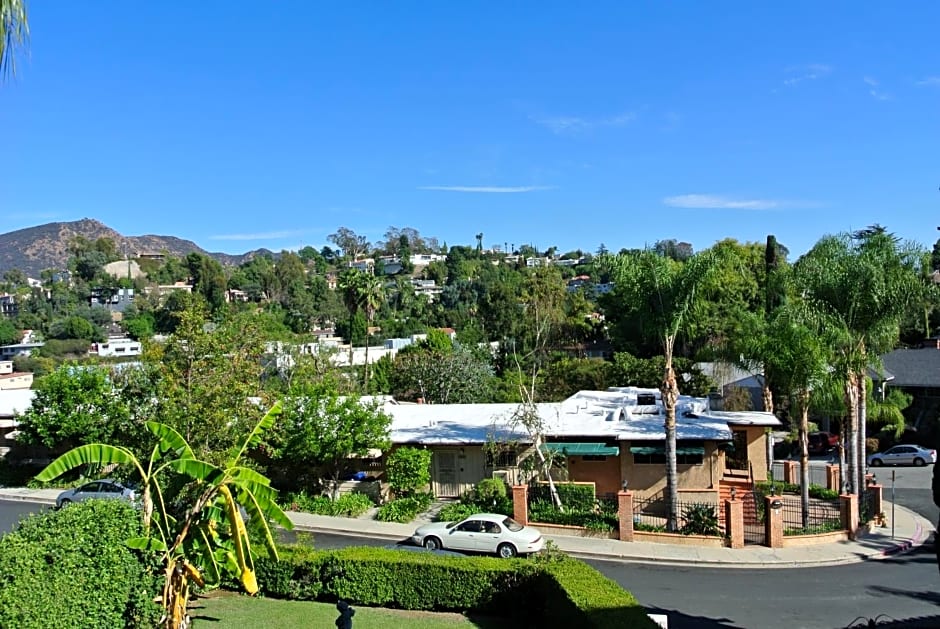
x: 903, y: 455
x: 96, y: 489
x: 481, y: 533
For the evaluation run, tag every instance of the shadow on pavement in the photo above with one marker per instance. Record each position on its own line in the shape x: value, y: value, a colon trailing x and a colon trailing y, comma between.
x: 886, y: 622
x: 679, y: 620
x: 924, y: 595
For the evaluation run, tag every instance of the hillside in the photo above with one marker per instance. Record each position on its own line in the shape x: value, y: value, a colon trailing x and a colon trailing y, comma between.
x: 46, y: 246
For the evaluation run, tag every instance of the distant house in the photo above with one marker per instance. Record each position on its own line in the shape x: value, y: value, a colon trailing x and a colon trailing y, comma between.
x: 916, y: 371
x: 13, y: 402
x: 8, y: 352
x: 116, y: 301
x: 116, y: 347
x: 8, y: 306
x: 366, y: 265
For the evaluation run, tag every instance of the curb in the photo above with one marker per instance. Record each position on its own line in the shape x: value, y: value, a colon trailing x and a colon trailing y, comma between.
x: 25, y: 498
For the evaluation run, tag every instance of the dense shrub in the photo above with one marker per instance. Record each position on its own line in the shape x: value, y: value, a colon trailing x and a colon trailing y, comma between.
x: 403, y: 509
x: 817, y: 491
x: 561, y: 592
x: 579, y: 497
x: 456, y: 511
x: 489, y: 496
x: 599, y: 517
x: 700, y: 519
x: 350, y: 505
x: 72, y: 568
x: 408, y: 470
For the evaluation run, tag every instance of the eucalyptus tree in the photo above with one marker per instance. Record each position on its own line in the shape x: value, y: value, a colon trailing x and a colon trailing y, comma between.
x: 665, y: 292
x: 863, y: 283
x: 14, y: 33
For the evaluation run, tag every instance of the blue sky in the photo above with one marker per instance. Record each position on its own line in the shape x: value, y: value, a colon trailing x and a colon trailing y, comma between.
x: 245, y: 125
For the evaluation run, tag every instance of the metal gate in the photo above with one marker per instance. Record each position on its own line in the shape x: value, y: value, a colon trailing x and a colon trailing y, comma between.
x: 755, y: 531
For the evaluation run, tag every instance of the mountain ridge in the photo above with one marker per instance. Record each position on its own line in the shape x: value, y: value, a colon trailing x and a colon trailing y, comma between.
x: 35, y: 249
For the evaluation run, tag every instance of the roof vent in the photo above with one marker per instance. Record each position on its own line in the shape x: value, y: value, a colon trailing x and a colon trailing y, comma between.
x: 645, y: 399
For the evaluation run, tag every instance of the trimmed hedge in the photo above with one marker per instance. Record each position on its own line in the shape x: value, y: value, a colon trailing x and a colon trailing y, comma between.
x: 563, y: 592
x: 71, y: 568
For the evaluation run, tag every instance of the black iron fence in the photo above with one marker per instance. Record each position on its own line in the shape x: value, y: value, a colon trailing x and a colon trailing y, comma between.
x: 820, y: 516
x: 695, y: 518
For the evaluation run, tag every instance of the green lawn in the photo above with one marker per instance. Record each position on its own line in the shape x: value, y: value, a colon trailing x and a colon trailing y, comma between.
x: 222, y: 610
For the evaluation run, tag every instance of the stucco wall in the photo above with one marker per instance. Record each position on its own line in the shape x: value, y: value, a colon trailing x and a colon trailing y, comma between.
x: 646, y: 479
x: 604, y: 474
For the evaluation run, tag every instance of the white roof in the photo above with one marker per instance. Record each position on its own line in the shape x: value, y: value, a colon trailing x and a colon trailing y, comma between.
x: 15, y: 401
x: 744, y: 418
x: 607, y: 415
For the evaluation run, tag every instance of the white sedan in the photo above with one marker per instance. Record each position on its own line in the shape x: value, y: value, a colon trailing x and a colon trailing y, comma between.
x: 904, y: 455
x: 481, y: 533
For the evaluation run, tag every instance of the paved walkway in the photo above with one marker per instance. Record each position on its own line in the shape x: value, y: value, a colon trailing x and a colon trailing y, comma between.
x: 910, y: 531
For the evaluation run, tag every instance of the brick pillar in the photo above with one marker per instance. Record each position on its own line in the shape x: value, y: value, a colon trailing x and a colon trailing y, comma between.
x: 734, y: 523
x: 625, y: 515
x: 790, y: 473
x: 848, y: 507
x: 773, y: 527
x: 832, y: 478
x: 520, y: 504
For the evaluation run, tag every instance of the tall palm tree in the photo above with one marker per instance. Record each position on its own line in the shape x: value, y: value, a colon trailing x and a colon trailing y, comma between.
x: 14, y: 33
x: 863, y: 282
x: 665, y: 292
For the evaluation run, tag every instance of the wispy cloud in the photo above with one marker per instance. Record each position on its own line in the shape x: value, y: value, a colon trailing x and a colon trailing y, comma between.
x: 573, y: 125
x: 930, y: 81
x: 811, y: 72
x: 488, y: 189
x: 873, y: 90
x: 722, y: 202
x: 257, y: 236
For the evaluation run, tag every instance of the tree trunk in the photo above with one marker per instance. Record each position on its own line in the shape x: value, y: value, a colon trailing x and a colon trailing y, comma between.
x: 366, y: 390
x: 669, y: 390
x: 862, y: 451
x: 804, y: 456
x: 851, y: 433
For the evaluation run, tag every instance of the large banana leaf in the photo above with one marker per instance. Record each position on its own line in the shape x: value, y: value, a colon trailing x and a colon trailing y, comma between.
x: 96, y: 453
x: 251, y: 505
x: 255, y: 435
x: 198, y: 470
x: 171, y: 440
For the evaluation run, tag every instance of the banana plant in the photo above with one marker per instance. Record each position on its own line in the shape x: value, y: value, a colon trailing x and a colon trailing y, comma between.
x: 210, y: 539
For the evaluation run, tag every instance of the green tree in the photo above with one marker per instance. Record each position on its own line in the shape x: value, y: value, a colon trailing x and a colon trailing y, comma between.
x: 666, y: 291
x: 9, y: 333
x: 74, y: 405
x: 206, y: 376
x: 455, y: 377
x: 322, y: 429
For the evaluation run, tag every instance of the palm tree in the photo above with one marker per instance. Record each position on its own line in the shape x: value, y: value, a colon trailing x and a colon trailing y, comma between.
x: 14, y: 33
x: 863, y: 283
x: 211, y: 533
x: 665, y: 292
x: 797, y: 352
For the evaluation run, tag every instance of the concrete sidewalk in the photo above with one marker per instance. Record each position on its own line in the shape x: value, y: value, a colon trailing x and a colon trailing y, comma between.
x: 910, y: 531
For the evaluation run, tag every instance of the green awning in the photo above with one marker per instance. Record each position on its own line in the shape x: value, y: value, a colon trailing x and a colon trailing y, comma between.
x: 650, y: 450
x: 580, y: 449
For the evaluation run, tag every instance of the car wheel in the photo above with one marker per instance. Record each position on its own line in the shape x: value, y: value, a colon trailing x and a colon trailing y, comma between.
x: 64, y: 502
x: 432, y: 543
x: 876, y: 463
x: 919, y: 462
x: 506, y: 551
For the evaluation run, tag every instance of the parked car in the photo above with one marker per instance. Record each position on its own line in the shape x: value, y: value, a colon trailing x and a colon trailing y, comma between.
x: 481, y: 533
x: 903, y: 455
x: 108, y: 489
x: 822, y: 442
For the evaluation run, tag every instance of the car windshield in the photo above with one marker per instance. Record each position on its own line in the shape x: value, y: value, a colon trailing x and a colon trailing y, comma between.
x: 512, y: 525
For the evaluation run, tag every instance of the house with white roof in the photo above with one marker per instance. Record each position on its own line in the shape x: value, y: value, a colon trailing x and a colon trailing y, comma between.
x: 13, y: 402
x: 606, y: 437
